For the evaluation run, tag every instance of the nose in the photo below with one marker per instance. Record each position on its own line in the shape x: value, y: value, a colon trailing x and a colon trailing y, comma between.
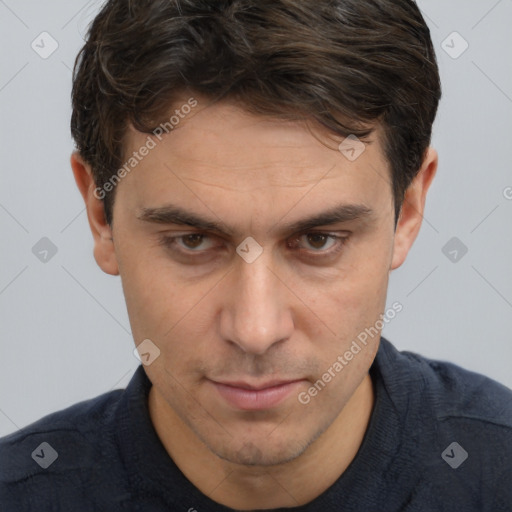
x: 257, y: 312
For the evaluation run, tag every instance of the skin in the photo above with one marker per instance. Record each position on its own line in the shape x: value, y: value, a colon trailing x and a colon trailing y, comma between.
x: 288, y: 315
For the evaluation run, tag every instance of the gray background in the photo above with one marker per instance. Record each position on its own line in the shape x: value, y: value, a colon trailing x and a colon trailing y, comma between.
x: 64, y: 332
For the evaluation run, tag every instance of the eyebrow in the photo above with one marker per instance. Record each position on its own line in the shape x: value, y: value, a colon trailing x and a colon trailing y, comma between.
x: 175, y: 215
x: 171, y: 214
x: 337, y: 215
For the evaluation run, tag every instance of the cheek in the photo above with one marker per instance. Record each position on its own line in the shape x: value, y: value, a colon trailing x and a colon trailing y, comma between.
x: 349, y: 301
x: 156, y: 299
x: 342, y: 323
x: 178, y: 316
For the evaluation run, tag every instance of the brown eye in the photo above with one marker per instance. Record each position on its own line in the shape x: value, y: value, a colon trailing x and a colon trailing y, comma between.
x: 192, y: 241
x: 317, y: 243
x: 317, y: 240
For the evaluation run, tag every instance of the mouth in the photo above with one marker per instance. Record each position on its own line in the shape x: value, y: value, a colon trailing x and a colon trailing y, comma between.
x: 256, y: 397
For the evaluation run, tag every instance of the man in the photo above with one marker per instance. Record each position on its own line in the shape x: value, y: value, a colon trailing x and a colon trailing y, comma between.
x: 254, y: 170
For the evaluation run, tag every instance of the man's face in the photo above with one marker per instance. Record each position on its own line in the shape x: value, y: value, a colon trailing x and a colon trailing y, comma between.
x: 242, y: 335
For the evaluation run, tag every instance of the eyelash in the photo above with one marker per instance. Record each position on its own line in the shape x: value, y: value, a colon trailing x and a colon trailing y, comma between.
x: 171, y: 242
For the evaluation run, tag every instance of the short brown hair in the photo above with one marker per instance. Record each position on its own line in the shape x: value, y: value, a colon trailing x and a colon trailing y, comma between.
x: 343, y: 63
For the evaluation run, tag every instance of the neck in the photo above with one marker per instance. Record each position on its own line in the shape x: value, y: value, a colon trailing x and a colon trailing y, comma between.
x: 292, y: 484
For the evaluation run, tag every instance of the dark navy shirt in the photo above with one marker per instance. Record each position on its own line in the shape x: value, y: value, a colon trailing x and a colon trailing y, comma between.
x: 439, y: 439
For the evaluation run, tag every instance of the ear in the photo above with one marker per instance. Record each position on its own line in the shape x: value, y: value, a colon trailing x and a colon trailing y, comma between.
x: 104, y: 250
x: 411, y: 215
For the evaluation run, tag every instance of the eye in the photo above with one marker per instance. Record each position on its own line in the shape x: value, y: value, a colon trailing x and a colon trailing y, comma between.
x: 194, y: 241
x: 318, y: 248
x: 188, y: 243
x: 318, y: 241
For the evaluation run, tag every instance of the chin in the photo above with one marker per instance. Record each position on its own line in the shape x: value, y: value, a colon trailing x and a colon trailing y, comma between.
x: 261, y: 452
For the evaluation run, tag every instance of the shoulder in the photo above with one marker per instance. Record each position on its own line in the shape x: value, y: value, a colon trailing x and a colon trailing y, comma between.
x: 51, y: 444
x: 457, y: 422
x: 450, y: 390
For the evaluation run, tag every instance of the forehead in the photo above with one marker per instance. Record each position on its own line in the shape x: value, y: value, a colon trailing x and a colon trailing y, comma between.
x: 222, y: 149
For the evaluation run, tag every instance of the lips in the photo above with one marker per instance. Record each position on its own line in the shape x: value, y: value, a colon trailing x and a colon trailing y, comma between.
x: 257, y: 387
x: 256, y: 397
